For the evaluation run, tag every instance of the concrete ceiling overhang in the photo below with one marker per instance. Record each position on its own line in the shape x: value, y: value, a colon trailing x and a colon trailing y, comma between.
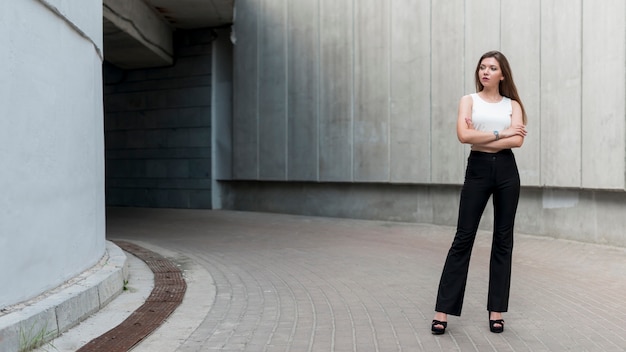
x: 139, y: 33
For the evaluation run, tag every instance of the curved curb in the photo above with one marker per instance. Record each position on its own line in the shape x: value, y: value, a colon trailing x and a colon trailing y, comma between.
x: 47, y: 318
x: 167, y: 294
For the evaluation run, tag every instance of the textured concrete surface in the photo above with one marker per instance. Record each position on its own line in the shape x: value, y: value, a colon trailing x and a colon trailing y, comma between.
x: 294, y: 283
x: 139, y: 285
x: 30, y: 323
x: 158, y: 129
x: 368, y: 90
x: 53, y: 198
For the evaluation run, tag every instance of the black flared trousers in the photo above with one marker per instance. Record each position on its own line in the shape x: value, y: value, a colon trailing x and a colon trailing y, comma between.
x: 487, y: 174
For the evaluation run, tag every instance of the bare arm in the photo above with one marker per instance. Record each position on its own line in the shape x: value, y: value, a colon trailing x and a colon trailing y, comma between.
x: 464, y: 130
x: 512, y: 137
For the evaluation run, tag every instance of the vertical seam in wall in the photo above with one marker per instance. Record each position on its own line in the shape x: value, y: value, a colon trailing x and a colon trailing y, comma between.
x: 319, y: 86
x: 430, y: 94
x: 582, y: 140
x: 258, y: 86
x: 286, y: 37
x: 389, y: 88
x: 463, y: 57
x: 352, y: 94
x: 540, y: 96
x: 500, y: 30
x: 212, y: 131
x: 464, y: 78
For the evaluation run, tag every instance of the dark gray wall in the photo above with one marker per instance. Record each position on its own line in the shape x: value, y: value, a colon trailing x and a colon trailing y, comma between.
x: 158, y: 129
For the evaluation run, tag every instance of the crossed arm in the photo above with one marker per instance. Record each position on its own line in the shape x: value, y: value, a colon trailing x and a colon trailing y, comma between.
x: 512, y: 137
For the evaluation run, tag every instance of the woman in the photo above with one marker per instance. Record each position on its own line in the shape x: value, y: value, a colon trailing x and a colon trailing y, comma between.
x: 492, y: 121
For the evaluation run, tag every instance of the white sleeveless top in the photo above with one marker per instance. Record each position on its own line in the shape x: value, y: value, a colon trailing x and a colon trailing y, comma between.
x: 489, y: 117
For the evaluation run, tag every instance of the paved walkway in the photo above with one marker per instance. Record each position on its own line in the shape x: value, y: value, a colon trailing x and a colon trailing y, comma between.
x: 294, y: 283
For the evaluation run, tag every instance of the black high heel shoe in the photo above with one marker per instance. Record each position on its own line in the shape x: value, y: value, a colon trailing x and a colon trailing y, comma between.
x: 492, y: 325
x: 436, y: 330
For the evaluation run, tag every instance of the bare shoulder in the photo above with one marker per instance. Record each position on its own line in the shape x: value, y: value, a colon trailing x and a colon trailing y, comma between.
x: 466, y: 100
x: 515, y: 104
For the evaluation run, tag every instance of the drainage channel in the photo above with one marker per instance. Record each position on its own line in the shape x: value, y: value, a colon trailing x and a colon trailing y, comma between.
x: 167, y: 294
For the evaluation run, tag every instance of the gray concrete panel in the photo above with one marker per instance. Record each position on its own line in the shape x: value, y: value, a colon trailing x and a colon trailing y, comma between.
x: 561, y: 93
x: 245, y: 107
x: 221, y: 113
x: 371, y: 91
x: 373, y: 114
x: 350, y: 200
x: 520, y: 35
x: 482, y: 34
x: 272, y: 48
x: 603, y: 94
x: 303, y: 94
x: 336, y: 91
x: 580, y: 215
x: 448, y: 77
x: 410, y: 91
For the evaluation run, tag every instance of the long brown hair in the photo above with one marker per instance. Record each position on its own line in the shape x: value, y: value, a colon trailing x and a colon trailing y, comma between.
x: 506, y: 86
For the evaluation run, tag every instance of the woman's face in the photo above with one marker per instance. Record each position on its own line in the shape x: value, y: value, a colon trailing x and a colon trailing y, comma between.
x: 489, y: 72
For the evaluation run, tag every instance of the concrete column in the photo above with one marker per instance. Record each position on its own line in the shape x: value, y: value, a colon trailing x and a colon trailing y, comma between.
x: 246, y: 99
x: 52, y: 219
x: 221, y: 113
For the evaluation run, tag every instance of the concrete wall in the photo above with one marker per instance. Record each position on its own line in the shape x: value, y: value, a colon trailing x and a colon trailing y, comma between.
x: 158, y: 129
x: 51, y: 139
x: 580, y: 215
x: 221, y: 113
x: 367, y: 92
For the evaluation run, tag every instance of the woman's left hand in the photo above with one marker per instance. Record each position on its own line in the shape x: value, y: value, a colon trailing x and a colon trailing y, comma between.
x: 514, y: 130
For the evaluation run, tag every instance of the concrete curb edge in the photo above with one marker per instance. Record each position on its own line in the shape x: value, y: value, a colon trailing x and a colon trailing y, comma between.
x: 46, y: 319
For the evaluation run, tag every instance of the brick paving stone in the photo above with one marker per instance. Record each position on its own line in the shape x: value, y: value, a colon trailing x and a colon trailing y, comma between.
x: 296, y: 283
